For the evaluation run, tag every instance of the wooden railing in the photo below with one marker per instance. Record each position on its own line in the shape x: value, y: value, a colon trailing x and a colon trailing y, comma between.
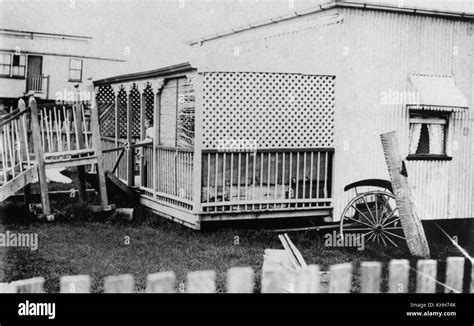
x: 65, y: 128
x: 337, y: 279
x: 16, y: 144
x: 166, y: 175
x: 112, y: 156
x: 174, y: 175
x: 38, y: 84
x: 266, y: 180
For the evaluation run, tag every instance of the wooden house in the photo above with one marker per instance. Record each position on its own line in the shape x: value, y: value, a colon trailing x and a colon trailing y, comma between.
x: 275, y: 119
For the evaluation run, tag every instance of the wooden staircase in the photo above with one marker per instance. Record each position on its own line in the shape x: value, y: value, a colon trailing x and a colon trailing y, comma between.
x: 34, y: 139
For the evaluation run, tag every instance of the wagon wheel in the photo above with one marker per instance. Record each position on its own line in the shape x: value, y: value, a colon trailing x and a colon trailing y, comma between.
x: 374, y: 216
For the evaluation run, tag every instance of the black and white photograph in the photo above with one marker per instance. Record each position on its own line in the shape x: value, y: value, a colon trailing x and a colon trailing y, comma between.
x: 268, y: 155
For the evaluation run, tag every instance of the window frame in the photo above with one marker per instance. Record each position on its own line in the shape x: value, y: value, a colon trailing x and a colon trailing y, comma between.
x: 11, y: 65
x: 75, y: 69
x: 425, y: 117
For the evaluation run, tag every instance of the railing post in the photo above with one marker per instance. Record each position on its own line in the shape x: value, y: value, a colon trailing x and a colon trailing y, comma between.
x: 23, y: 138
x: 198, y: 134
x: 81, y: 171
x: 130, y: 156
x: 97, y: 145
x: 38, y: 149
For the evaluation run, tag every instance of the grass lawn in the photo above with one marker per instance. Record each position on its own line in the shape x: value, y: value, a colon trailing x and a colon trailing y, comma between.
x: 76, y: 243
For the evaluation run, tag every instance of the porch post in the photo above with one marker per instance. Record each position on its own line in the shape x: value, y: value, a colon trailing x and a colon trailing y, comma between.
x: 142, y: 134
x: 130, y: 154
x: 156, y: 140
x: 198, y: 138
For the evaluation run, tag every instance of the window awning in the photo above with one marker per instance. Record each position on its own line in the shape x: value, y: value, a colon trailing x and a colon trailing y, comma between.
x: 436, y: 93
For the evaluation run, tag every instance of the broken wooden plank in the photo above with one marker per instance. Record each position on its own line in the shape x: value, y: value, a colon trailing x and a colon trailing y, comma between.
x: 411, y: 223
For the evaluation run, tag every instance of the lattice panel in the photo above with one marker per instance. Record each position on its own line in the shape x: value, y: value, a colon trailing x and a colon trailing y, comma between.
x: 122, y: 113
x: 135, y: 107
x: 149, y: 95
x: 106, y: 104
x: 274, y: 110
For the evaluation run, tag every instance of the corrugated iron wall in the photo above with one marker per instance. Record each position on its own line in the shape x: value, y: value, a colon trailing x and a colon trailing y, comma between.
x: 372, y: 53
x: 389, y: 47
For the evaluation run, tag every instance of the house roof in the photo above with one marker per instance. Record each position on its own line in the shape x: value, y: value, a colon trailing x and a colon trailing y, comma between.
x: 390, y: 6
x: 32, y: 34
x: 160, y: 72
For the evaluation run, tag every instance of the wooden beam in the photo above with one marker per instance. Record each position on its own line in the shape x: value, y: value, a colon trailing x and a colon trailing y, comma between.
x: 133, y: 196
x: 411, y: 223
x: 38, y: 149
x: 97, y: 145
x: 20, y: 181
x: 79, y: 162
x: 81, y: 172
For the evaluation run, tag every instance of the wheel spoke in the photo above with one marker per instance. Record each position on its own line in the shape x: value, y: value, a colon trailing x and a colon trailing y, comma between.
x: 359, y: 229
x: 384, y: 207
x: 381, y: 238
x: 389, y: 216
x: 363, y: 215
x: 373, y: 233
x: 384, y: 235
x: 376, y: 208
x: 370, y: 226
x: 367, y: 205
x: 395, y: 235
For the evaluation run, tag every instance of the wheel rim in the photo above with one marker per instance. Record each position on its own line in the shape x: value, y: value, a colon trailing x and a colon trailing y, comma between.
x: 374, y: 216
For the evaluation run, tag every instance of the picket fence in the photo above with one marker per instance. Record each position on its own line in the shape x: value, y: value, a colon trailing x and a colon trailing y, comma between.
x: 338, y: 279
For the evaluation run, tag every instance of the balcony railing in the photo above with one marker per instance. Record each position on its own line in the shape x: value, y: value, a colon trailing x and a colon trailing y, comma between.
x: 38, y: 84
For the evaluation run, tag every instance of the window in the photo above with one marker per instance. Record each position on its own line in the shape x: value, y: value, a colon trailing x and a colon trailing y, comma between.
x: 75, y: 70
x: 428, y: 134
x: 12, y: 65
x: 19, y: 65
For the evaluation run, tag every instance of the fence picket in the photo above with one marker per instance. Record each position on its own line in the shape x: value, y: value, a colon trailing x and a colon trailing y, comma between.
x: 240, y: 280
x: 398, y: 276
x: 371, y: 273
x: 119, y: 284
x: 163, y: 282
x: 426, y: 276
x: 454, y: 274
x: 276, y: 281
x: 308, y: 280
x: 75, y: 284
x: 31, y: 285
x: 201, y: 282
x: 340, y: 280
